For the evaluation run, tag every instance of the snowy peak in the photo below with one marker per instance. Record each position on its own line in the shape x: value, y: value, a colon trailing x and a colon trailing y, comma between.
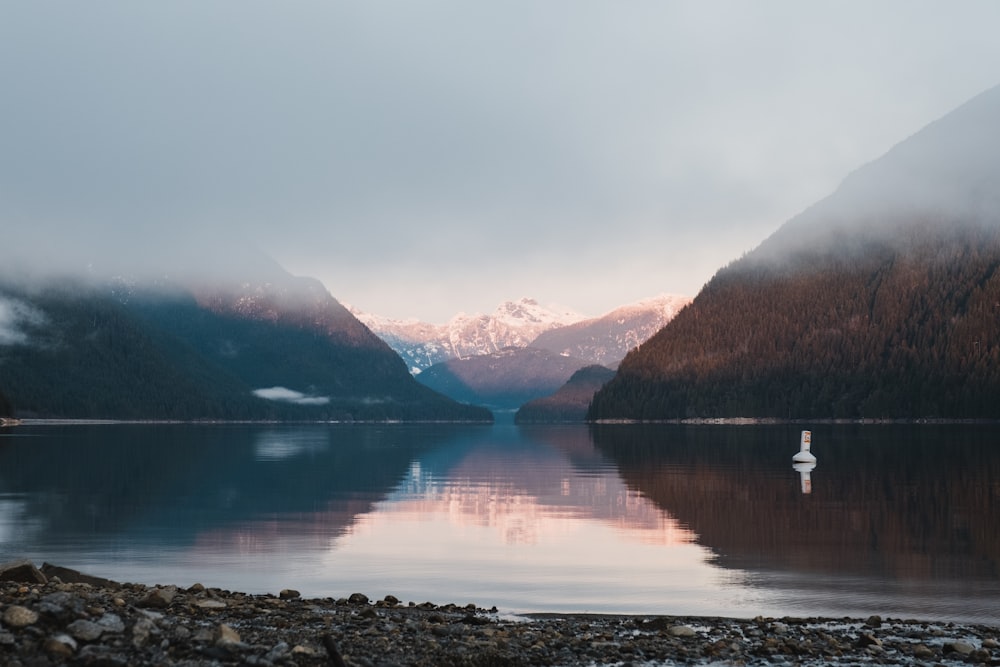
x: 511, y: 324
x: 605, y: 340
x: 516, y: 324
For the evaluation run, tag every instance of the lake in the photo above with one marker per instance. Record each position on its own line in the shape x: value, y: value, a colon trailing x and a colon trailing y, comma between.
x: 899, y: 520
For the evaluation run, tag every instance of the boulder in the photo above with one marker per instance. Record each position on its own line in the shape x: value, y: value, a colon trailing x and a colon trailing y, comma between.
x: 23, y: 571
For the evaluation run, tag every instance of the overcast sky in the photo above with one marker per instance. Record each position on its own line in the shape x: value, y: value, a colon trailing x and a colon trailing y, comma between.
x: 424, y: 158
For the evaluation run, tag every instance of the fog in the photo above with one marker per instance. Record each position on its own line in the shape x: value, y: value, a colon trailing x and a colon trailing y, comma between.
x: 427, y: 158
x: 945, y: 176
x: 16, y: 318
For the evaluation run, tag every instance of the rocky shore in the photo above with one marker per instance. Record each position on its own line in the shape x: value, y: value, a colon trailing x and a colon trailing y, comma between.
x: 52, y: 615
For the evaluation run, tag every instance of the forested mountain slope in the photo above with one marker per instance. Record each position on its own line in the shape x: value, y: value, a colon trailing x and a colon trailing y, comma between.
x: 276, y: 349
x: 881, y: 301
x: 504, y: 380
x: 569, y: 403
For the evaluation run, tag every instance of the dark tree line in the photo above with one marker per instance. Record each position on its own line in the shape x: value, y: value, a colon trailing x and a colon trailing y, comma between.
x: 907, y: 327
x: 169, y: 358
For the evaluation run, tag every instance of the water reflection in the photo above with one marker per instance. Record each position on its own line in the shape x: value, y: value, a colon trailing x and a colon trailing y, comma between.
x: 282, y: 443
x: 898, y: 507
x: 681, y: 520
x: 516, y: 482
x: 805, y: 476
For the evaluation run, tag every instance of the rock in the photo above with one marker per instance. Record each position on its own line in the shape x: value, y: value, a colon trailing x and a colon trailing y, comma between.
x: 391, y: 600
x: 280, y: 652
x: 17, y: 616
x: 158, y: 598
x: 921, y: 652
x: 960, y: 647
x: 868, y: 639
x: 203, y: 635
x: 681, y: 631
x: 990, y: 643
x: 105, y: 656
x: 358, y: 598
x: 225, y: 635
x: 981, y: 656
x: 141, y: 631
x: 68, y: 576
x: 112, y: 623
x: 288, y: 594
x: 84, y: 630
x: 60, y: 646
x: 23, y: 571
x: 874, y: 621
x: 210, y: 603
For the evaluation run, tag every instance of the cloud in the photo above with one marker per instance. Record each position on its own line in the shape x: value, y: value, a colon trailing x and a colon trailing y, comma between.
x: 426, y: 158
x: 286, y: 395
x: 15, y: 317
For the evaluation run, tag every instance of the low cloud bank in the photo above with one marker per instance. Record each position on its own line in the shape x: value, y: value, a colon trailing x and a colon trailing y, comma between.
x: 287, y: 395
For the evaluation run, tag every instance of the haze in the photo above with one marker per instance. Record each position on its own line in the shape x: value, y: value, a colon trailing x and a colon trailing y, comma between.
x: 425, y: 158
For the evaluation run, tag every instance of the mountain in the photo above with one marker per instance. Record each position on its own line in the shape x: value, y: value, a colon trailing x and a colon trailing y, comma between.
x: 502, y: 380
x: 276, y: 348
x: 570, y: 402
x: 600, y: 340
x: 6, y: 408
x: 881, y: 301
x: 512, y: 324
x: 606, y: 339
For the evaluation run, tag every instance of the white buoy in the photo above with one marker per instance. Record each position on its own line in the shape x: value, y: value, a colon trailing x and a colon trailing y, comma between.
x: 804, y: 455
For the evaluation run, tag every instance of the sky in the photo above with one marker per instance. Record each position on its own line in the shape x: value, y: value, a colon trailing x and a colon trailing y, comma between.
x: 424, y: 158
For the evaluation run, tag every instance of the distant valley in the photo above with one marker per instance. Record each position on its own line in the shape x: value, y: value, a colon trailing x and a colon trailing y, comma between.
x: 521, y: 351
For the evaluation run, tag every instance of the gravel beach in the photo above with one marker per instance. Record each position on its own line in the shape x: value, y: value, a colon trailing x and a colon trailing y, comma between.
x: 53, y: 615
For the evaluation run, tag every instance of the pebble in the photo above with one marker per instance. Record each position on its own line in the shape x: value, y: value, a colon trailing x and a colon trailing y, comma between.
x: 85, y: 631
x: 53, y: 623
x: 681, y: 631
x: 17, y: 616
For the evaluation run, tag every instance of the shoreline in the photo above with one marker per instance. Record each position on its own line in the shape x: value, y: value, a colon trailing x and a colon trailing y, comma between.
x: 8, y: 422
x: 55, y: 615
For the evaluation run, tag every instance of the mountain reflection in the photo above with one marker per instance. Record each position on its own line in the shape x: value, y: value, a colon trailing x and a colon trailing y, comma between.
x: 621, y: 519
x: 521, y: 482
x: 897, y: 502
x: 183, y: 484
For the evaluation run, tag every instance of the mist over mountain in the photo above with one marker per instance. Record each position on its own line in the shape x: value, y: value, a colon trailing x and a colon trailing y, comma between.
x: 503, y: 380
x: 512, y: 324
x: 269, y: 346
x: 881, y: 301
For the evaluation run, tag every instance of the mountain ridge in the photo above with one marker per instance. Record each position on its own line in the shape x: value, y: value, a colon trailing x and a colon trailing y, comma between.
x: 278, y: 348
x: 603, y: 339
x: 511, y: 324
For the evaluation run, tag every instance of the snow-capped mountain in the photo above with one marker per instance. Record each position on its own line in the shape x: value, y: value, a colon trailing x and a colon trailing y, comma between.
x: 512, y: 324
x: 605, y: 340
x: 599, y: 340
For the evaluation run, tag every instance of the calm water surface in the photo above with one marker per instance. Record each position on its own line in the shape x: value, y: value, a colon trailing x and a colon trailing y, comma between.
x: 707, y: 520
